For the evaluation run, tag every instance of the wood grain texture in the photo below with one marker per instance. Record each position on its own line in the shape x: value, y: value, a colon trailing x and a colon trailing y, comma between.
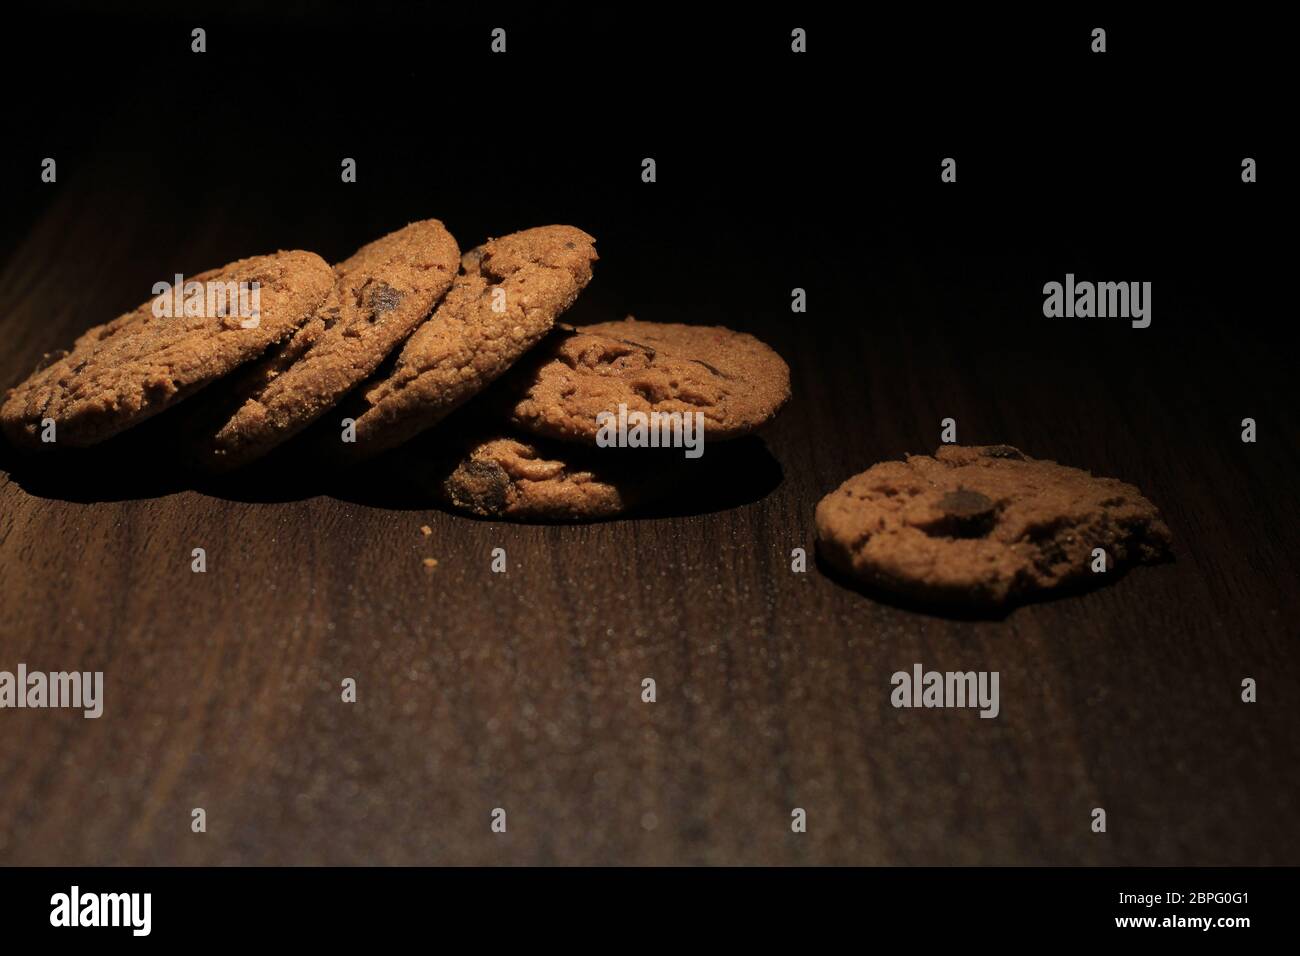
x: 522, y: 690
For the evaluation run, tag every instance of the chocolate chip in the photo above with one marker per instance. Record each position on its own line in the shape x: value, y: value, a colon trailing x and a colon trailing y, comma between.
x: 482, y: 485
x: 965, y: 514
x: 1003, y: 451
x: 964, y: 503
x: 381, y: 298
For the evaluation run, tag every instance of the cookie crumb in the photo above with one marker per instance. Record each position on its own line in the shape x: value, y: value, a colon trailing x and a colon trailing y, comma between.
x: 430, y: 563
x: 425, y: 530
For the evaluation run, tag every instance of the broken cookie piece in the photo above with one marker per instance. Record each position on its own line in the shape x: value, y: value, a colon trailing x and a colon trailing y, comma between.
x: 983, y: 526
x: 495, y: 475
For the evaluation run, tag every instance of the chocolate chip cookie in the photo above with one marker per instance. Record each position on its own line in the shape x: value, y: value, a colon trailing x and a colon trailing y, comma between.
x: 505, y: 299
x: 381, y: 293
x: 983, y: 526
x: 527, y: 479
x: 737, y: 382
x: 127, y: 370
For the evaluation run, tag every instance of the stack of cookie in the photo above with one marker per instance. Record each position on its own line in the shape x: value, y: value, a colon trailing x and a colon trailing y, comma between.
x: 385, y: 345
x: 536, y: 452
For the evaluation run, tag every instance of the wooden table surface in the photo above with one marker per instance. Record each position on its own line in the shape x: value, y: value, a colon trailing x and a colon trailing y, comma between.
x: 522, y: 690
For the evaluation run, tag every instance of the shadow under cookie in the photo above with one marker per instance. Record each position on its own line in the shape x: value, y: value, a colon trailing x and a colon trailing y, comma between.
x: 729, y: 475
x: 955, y: 610
x: 133, y: 465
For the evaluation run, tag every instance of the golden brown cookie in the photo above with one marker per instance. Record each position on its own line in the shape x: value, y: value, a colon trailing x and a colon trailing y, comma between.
x: 737, y: 382
x: 506, y: 298
x: 381, y: 293
x: 983, y: 526
x: 121, y: 373
x: 526, y: 479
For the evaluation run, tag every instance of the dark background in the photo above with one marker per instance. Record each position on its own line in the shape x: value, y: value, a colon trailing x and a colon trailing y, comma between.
x: 774, y: 171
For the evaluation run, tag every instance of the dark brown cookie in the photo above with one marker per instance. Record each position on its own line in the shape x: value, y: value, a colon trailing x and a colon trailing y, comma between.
x: 983, y: 526
x: 737, y: 382
x: 505, y: 299
x: 119, y: 374
x: 527, y: 479
x: 381, y: 293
